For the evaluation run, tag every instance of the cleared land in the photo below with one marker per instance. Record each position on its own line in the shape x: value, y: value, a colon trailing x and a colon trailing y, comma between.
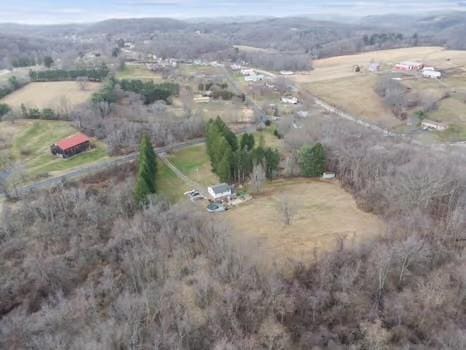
x: 55, y: 95
x: 334, y: 80
x: 139, y: 72
x: 28, y: 142
x: 192, y: 162
x: 324, y: 213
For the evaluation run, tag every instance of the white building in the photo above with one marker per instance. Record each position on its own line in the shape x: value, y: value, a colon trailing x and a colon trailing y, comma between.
x: 432, y: 125
x: 220, y: 191
x: 328, y: 176
x: 286, y: 72
x: 235, y: 67
x: 201, y: 99
x: 290, y: 100
x: 433, y: 74
x: 254, y: 77
x: 248, y: 71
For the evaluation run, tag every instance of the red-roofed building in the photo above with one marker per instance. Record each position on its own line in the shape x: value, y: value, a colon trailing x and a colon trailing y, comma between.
x: 70, y: 146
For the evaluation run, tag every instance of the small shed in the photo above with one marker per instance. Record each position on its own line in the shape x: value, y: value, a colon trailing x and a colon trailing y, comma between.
x: 71, y: 146
x: 374, y: 67
x: 220, y: 191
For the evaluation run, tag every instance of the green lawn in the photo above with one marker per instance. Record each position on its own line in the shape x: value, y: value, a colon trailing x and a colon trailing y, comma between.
x: 32, y: 148
x: 194, y: 163
x: 138, y: 72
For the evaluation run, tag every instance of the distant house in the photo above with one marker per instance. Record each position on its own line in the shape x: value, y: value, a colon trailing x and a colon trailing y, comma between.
x: 433, y: 74
x: 374, y: 67
x: 254, y: 77
x: 290, y: 100
x: 303, y: 114
x: 248, y: 71
x: 328, y: 176
x: 221, y: 191
x: 201, y: 99
x: 409, y: 66
x: 235, y: 66
x: 432, y: 125
x: 286, y: 72
x: 71, y: 146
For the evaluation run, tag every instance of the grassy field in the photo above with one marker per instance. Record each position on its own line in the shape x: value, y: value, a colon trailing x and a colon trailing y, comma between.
x: 29, y: 144
x: 55, y: 95
x: 194, y: 163
x: 334, y: 80
x: 324, y: 213
x: 139, y: 72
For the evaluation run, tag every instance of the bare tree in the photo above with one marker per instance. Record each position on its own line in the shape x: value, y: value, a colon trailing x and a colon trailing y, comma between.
x: 83, y: 83
x: 258, y: 177
x: 287, y: 209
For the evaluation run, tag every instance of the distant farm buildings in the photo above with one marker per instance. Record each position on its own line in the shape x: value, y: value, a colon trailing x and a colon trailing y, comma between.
x: 71, y: 146
x: 432, y: 125
x: 286, y: 72
x: 408, y: 66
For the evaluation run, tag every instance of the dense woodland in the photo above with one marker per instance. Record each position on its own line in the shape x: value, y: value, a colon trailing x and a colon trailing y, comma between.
x: 84, y: 267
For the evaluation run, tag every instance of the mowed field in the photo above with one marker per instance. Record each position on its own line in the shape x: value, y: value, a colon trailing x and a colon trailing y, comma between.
x: 139, y: 72
x: 192, y: 162
x: 28, y: 142
x: 55, y: 95
x: 325, y: 213
x: 334, y: 80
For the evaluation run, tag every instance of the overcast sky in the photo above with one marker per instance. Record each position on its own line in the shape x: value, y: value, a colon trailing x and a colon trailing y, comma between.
x: 66, y: 11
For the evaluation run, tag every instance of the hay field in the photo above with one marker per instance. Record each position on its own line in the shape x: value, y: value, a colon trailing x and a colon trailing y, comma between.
x: 55, y: 95
x: 324, y: 213
x: 139, y: 72
x: 334, y: 80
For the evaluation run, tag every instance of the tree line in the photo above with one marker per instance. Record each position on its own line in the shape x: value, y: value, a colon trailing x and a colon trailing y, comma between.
x: 233, y: 160
x: 93, y: 74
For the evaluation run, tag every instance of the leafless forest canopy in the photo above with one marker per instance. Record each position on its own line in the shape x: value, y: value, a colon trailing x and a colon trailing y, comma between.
x: 84, y: 268
x: 184, y: 39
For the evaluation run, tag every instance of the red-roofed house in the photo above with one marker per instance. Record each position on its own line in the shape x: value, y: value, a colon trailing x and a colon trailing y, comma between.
x: 70, y: 146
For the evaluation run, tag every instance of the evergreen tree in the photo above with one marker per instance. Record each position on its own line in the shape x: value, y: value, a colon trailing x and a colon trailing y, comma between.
x: 312, y: 160
x: 225, y: 166
x: 146, y: 178
x: 247, y: 142
x: 318, y: 157
x: 272, y: 161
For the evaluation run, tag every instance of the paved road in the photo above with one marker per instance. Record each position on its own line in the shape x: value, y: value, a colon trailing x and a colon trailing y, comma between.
x: 98, y: 167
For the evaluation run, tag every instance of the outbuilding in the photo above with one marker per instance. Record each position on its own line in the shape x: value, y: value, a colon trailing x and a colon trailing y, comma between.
x: 432, y: 74
x: 71, y: 146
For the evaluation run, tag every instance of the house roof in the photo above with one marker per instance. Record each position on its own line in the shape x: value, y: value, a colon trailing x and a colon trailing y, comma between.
x: 73, y: 141
x: 221, y: 188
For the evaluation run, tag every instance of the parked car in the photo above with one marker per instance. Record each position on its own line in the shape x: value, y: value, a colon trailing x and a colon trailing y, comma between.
x: 216, y: 208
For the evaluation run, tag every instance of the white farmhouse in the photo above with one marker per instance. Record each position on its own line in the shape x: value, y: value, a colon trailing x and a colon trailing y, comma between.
x: 248, y: 71
x: 220, y: 191
x: 290, y: 100
x: 254, y: 77
x: 432, y: 125
x: 433, y: 74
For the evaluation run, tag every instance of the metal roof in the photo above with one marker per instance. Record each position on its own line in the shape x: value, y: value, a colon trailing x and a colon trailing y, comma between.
x: 221, y: 188
x: 73, y: 141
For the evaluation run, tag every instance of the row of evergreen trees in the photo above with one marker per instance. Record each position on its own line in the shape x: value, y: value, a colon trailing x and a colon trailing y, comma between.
x: 93, y: 74
x: 233, y: 160
x: 147, y: 172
